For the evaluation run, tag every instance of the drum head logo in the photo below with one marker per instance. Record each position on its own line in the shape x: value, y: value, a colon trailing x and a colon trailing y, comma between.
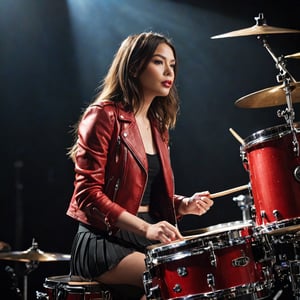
x: 240, y: 261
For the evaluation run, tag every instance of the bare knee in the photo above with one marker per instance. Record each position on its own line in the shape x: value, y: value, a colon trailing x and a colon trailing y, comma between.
x: 128, y: 271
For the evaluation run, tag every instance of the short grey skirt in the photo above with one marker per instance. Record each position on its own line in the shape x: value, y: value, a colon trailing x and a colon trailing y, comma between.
x: 93, y: 253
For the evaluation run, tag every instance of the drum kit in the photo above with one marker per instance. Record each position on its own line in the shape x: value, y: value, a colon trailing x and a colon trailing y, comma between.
x: 259, y: 257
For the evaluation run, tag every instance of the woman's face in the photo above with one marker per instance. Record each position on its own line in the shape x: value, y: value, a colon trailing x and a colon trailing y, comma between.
x: 158, y: 77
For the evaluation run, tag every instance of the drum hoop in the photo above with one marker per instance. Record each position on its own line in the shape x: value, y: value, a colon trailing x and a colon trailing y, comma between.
x: 174, y: 256
x: 246, y: 289
x: 154, y: 259
x: 220, y: 228
x: 265, y: 135
x: 280, y: 227
x: 211, y: 231
x: 75, y: 282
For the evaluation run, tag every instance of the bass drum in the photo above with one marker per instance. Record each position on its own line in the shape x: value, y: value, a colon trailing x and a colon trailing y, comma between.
x: 222, y: 262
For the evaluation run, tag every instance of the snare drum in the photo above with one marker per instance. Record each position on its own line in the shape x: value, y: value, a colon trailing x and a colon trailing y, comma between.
x: 73, y: 288
x: 274, y: 169
x: 224, y: 261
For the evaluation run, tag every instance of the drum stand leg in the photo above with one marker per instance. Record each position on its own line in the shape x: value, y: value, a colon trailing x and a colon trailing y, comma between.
x: 277, y: 295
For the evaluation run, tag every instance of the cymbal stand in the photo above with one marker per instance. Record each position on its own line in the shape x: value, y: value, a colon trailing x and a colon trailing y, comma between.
x: 30, y: 267
x: 245, y: 203
x: 285, y: 77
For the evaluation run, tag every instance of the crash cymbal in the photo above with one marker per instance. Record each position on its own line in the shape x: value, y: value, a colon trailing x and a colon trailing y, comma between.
x: 294, y: 55
x: 273, y: 96
x: 260, y: 28
x: 33, y: 255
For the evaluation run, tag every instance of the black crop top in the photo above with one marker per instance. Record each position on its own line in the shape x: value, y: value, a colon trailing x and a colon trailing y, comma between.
x: 154, y: 177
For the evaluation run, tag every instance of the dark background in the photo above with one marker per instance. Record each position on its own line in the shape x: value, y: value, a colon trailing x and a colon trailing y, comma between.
x: 53, y: 55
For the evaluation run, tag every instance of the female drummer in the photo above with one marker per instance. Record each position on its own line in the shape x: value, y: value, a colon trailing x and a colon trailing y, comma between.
x: 123, y: 194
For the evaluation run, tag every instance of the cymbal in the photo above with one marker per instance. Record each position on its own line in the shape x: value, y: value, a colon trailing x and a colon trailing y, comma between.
x: 33, y: 255
x: 294, y: 55
x: 260, y: 28
x: 256, y: 30
x: 268, y: 97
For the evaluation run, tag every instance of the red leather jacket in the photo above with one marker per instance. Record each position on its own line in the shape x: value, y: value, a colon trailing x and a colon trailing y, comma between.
x: 111, y: 169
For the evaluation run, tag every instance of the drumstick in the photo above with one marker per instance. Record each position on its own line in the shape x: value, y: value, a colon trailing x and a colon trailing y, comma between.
x: 229, y: 191
x: 237, y: 136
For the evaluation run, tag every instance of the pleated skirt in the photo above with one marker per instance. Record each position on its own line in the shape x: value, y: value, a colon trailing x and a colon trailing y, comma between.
x: 93, y: 253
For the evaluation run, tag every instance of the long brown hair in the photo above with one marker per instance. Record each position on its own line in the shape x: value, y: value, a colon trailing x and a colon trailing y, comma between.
x: 121, y: 83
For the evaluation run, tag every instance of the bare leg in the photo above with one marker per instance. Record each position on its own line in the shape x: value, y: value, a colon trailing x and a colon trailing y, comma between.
x: 129, y: 271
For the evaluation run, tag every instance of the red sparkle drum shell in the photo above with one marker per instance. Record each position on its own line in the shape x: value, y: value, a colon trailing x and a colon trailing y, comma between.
x: 72, y: 288
x: 272, y: 165
x: 216, y: 264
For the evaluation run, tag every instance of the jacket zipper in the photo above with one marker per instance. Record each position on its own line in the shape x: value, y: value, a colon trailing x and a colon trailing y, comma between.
x: 140, y: 201
x: 117, y: 185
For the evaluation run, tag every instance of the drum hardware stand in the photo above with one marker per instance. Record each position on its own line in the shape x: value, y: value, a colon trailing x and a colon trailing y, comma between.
x: 15, y: 287
x: 245, y: 203
x: 285, y: 77
x: 295, y: 278
x: 30, y: 267
x: 19, y: 203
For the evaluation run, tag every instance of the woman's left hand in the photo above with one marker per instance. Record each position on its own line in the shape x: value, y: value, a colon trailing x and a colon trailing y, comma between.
x: 198, y: 204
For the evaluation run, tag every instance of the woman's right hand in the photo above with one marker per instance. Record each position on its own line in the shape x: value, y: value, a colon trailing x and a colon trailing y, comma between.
x: 163, y: 231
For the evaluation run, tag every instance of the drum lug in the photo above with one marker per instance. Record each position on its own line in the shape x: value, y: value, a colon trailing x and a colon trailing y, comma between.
x: 154, y: 293
x: 253, y: 212
x: 151, y: 292
x: 297, y: 173
x: 276, y: 214
x: 212, y: 256
x: 41, y: 296
x: 263, y: 215
x: 182, y: 271
x: 243, y: 156
x: 177, y: 288
x: 210, y: 280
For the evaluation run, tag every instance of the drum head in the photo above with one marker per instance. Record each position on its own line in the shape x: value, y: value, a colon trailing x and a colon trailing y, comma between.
x: 214, y: 229
x: 196, y: 236
x: 69, y: 280
x: 268, y: 134
x: 63, y: 279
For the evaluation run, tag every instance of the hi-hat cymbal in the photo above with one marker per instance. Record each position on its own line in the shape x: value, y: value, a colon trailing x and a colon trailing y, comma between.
x: 294, y: 55
x: 260, y: 28
x: 273, y: 96
x: 33, y: 255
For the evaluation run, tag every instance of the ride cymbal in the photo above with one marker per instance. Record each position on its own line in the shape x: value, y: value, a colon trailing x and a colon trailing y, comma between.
x: 33, y: 255
x: 260, y: 28
x: 273, y: 96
